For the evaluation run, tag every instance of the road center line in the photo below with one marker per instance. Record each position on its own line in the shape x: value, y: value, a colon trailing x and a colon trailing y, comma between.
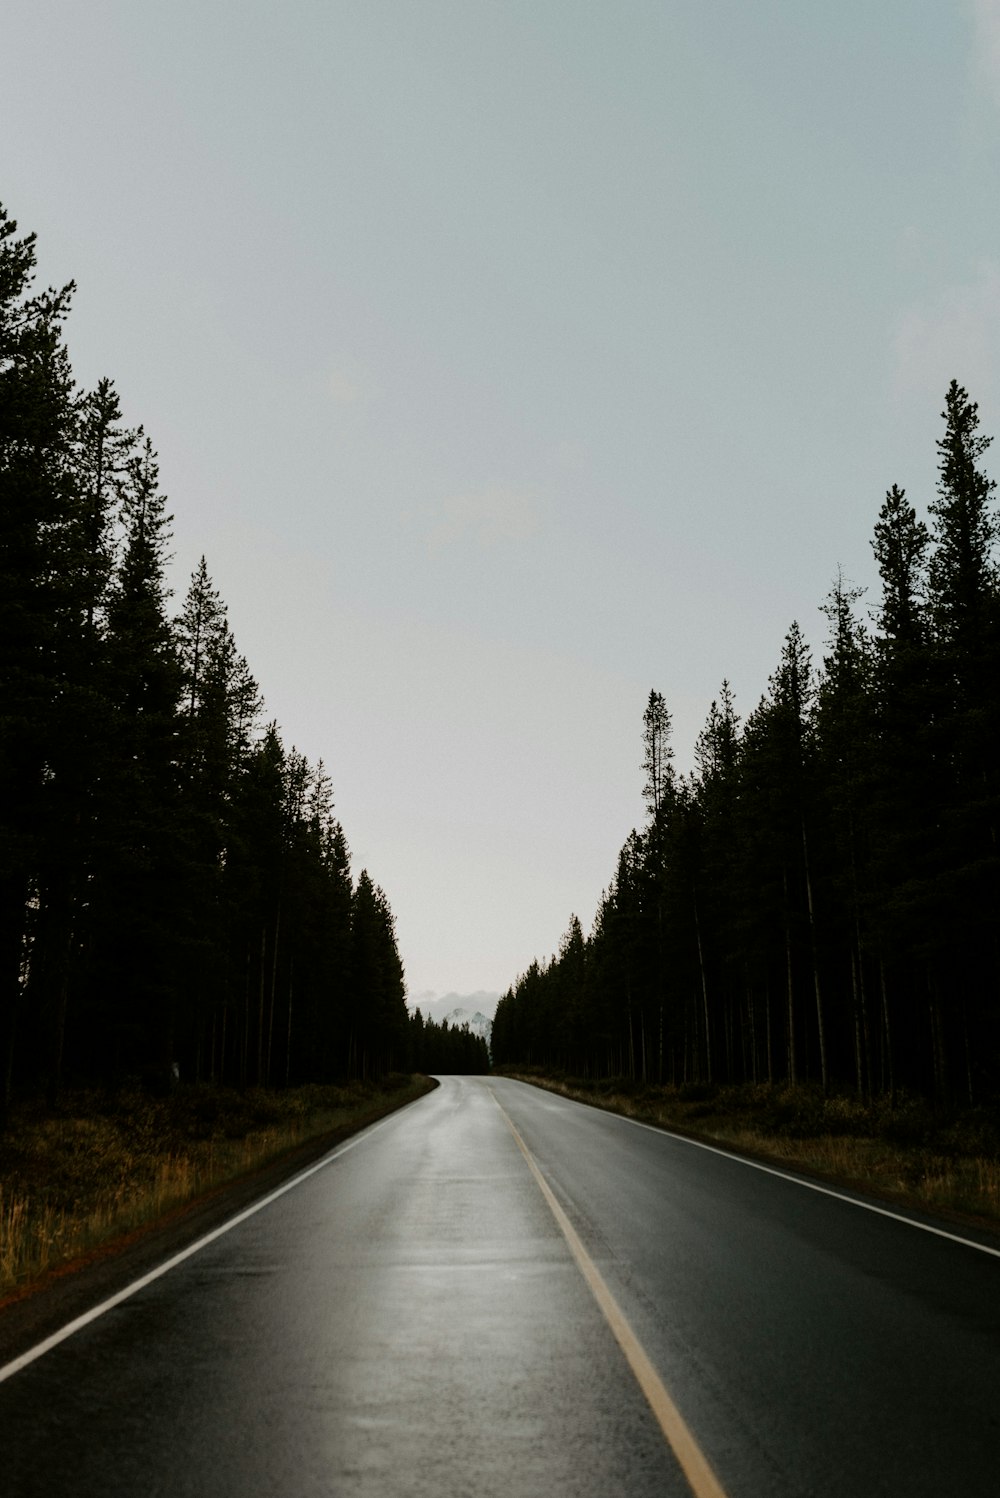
x: 9, y: 1369
x: 690, y: 1457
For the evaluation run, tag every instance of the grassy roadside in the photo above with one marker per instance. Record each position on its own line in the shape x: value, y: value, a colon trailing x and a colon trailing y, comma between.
x: 907, y: 1153
x: 103, y: 1165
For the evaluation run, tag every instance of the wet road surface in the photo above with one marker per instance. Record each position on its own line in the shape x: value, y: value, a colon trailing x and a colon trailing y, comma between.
x: 410, y: 1319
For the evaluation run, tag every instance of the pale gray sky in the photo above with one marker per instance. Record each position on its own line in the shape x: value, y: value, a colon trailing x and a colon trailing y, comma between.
x: 509, y: 359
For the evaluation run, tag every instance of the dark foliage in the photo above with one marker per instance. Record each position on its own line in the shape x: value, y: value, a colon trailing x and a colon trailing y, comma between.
x: 447, y: 1050
x: 819, y: 901
x: 175, y: 891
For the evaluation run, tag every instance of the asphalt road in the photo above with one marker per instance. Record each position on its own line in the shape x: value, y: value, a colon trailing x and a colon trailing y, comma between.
x: 411, y: 1319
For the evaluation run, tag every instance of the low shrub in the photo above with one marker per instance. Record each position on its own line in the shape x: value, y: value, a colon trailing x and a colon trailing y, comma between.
x: 106, y: 1163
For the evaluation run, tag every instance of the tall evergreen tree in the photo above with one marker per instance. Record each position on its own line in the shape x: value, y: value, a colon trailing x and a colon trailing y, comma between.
x: 965, y: 615
x: 907, y: 787
x: 378, y: 1004
x: 900, y: 545
x: 136, y: 909
x: 846, y: 748
x: 104, y: 449
x: 657, y: 755
x: 962, y: 574
x: 37, y: 601
x: 716, y: 898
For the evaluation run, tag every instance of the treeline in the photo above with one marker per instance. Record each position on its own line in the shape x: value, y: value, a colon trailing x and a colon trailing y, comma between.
x: 451, y: 1050
x: 818, y: 900
x: 175, y: 890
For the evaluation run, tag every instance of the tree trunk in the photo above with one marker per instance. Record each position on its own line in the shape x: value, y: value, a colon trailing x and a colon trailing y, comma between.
x: 888, y: 1036
x: 274, y: 985
x: 52, y: 978
x: 288, y: 1037
x: 13, y: 904
x: 659, y: 1048
x: 792, y: 1077
x: 942, y: 1087
x: 858, y: 1068
x: 815, y: 962
x: 704, y: 988
x: 260, y: 1004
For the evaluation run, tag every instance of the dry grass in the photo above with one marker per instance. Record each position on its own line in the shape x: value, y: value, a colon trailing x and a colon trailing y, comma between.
x: 908, y: 1152
x: 103, y: 1166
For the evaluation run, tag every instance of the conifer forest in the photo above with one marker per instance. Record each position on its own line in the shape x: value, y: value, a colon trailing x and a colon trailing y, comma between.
x: 175, y: 890
x: 818, y: 901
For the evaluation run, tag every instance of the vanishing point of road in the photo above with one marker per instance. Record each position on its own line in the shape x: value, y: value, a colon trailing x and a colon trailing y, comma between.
x: 495, y: 1291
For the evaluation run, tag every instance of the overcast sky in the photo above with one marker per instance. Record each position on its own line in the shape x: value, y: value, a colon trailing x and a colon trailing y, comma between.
x: 509, y: 359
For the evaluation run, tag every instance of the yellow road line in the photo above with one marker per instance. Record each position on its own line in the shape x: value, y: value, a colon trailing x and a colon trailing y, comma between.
x: 692, y: 1460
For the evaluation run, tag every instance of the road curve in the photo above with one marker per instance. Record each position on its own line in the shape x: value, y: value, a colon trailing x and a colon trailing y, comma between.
x: 411, y: 1318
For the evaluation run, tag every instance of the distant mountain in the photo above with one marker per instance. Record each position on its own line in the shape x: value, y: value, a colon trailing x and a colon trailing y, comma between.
x: 479, y: 1023
x: 440, y: 1007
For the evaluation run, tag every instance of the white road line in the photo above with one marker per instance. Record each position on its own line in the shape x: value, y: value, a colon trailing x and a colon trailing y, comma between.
x: 690, y: 1457
x: 783, y: 1175
x: 9, y: 1369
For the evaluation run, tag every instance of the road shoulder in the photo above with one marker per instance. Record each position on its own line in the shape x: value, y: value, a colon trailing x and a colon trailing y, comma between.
x: 44, y: 1305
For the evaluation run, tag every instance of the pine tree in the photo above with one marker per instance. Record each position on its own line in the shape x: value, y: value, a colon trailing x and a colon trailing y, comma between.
x: 379, y: 1019
x: 79, y: 734
x: 965, y: 615
x: 660, y: 795
x: 716, y: 898
x: 322, y: 972
x: 777, y: 796
x: 208, y: 660
x: 900, y: 545
x: 962, y: 574
x: 845, y: 746
x: 37, y: 510
x: 908, y: 789
x: 104, y: 451
x: 136, y: 908
x: 657, y: 756
x: 231, y: 796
